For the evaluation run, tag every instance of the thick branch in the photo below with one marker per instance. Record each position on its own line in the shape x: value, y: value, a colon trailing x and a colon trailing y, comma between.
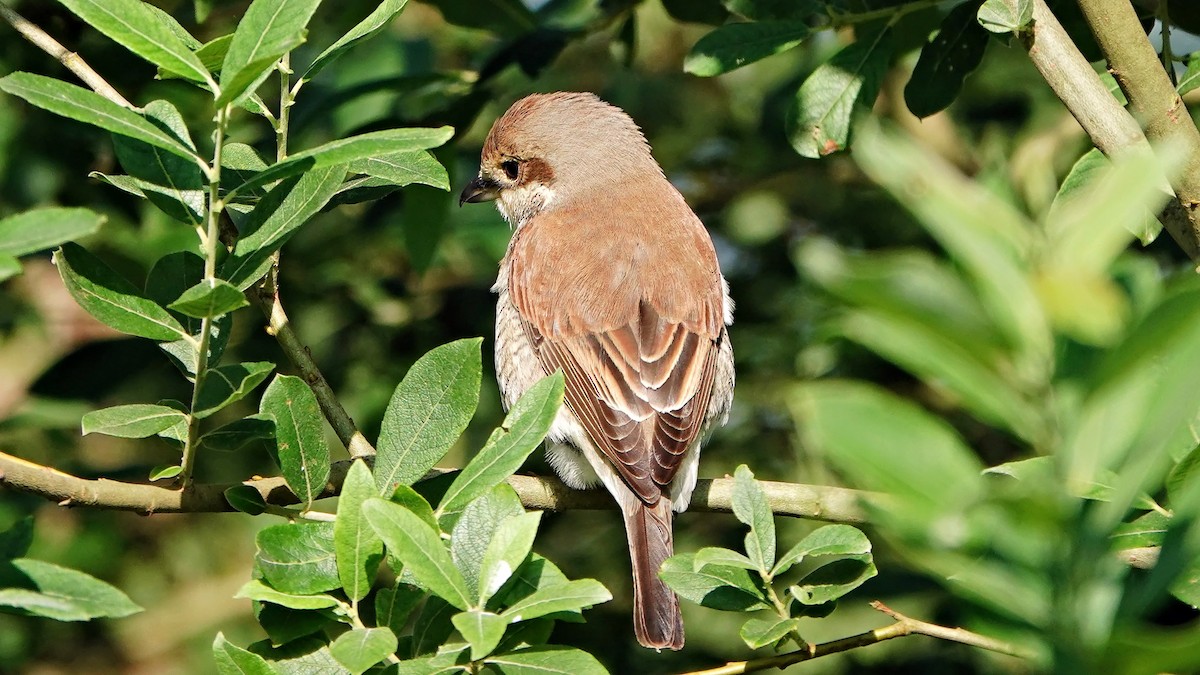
x: 1112, y: 129
x: 838, y: 505
x: 903, y: 626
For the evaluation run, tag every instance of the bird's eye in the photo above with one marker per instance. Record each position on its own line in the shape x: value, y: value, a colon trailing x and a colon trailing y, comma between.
x: 511, y: 168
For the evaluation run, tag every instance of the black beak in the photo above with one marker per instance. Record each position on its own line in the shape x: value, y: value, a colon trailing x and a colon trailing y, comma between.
x: 479, y: 190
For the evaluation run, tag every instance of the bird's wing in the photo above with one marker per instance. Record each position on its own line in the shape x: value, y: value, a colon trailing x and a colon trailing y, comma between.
x: 636, y: 341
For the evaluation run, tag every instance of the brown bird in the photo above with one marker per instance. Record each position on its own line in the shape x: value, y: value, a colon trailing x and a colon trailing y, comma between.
x: 612, y: 279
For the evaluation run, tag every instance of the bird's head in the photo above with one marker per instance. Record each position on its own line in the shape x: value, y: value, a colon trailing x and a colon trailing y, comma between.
x: 549, y: 150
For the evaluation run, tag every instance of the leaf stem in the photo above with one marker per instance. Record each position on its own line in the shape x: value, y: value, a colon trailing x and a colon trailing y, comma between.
x: 210, y: 241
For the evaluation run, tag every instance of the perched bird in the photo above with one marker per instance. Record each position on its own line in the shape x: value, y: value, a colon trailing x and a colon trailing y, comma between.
x: 610, y: 278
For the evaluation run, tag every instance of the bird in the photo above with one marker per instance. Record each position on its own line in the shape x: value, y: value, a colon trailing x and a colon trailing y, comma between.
x: 611, y: 278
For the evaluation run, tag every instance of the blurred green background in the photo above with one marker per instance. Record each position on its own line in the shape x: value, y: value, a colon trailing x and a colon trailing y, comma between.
x: 372, y: 286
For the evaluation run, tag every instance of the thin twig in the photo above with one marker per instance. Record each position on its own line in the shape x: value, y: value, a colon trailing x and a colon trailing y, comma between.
x: 42, y: 40
x: 903, y: 626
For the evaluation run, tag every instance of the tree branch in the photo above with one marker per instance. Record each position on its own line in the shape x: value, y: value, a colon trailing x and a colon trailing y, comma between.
x: 70, y: 59
x: 903, y: 626
x: 1112, y: 129
x: 832, y: 504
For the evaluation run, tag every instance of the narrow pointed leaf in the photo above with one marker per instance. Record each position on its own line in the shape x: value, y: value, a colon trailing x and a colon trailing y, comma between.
x: 376, y: 21
x: 429, y: 409
x: 546, y: 660
x: 165, y: 471
x: 89, y: 107
x: 359, y: 549
x: 420, y: 548
x: 394, y: 605
x: 946, y: 61
x: 137, y: 27
x: 350, y: 149
x: 829, y: 540
x: 245, y: 499
x: 209, y: 299
x: 174, y: 184
x: 44, y: 228
x: 825, y: 106
x: 275, y: 219
x: 268, y: 30
x: 138, y: 420
x: 758, y: 633
x: 111, y: 299
x: 522, y: 431
x: 475, y: 529
x: 233, y: 660
x: 257, y: 590
x: 562, y: 597
x: 230, y: 383
x: 738, y: 44
x: 715, y: 586
x: 404, y: 168
x: 508, y: 549
x: 63, y: 594
x: 253, y: 430
x: 712, y: 555
x: 482, y: 631
x: 299, y: 435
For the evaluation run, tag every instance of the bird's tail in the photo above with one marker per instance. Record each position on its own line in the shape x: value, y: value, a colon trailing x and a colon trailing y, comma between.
x: 656, y: 619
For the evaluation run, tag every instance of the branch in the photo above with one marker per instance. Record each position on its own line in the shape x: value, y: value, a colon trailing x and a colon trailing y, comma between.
x: 903, y: 626
x: 1112, y: 129
x: 832, y: 504
x: 70, y: 59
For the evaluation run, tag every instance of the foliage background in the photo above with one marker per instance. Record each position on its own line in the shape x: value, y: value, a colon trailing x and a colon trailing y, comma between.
x: 371, y: 287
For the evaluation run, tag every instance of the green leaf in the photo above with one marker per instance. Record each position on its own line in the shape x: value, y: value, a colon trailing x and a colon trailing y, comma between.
x: 238, y: 434
x: 15, y: 541
x: 482, y: 630
x: 768, y: 10
x: 170, y: 276
x: 349, y: 149
x: 546, y: 660
x: 233, y: 660
x: 1006, y: 16
x: 89, y: 107
x: 212, y: 53
x: 570, y: 596
x: 47, y: 227
x: 508, y: 549
x: 1183, y: 477
x: 208, y: 299
x: 304, y: 656
x: 429, y: 409
x: 738, y: 44
x: 1086, y: 170
x: 819, y: 120
x: 758, y: 633
x: 1191, y: 77
x: 275, y: 219
x: 715, y: 586
x: 413, y: 501
x: 712, y: 555
x: 246, y: 499
x: 137, y: 420
x: 420, y: 547
x: 298, y: 558
x: 520, y: 433
x: 62, y: 594
x: 751, y: 508
x: 359, y: 549
x: 404, y: 168
x: 829, y: 540
x: 871, y: 436
x: 164, y: 472
x: 268, y: 30
x: 299, y: 435
x: 172, y: 183
x: 143, y: 31
x: 432, y: 626
x: 833, y: 580
x: 9, y: 267
x: 111, y: 299
x: 946, y: 61
x: 257, y: 590
x: 394, y: 605
x: 475, y: 530
x: 709, y: 12
x: 506, y: 17
x: 1146, y: 530
x: 375, y: 22
x: 227, y: 384
x: 284, y: 625
x: 360, y: 649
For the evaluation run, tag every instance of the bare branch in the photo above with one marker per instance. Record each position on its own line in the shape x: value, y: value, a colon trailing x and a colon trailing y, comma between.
x: 832, y: 504
x: 1112, y: 129
x: 71, y: 60
x: 904, y: 626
